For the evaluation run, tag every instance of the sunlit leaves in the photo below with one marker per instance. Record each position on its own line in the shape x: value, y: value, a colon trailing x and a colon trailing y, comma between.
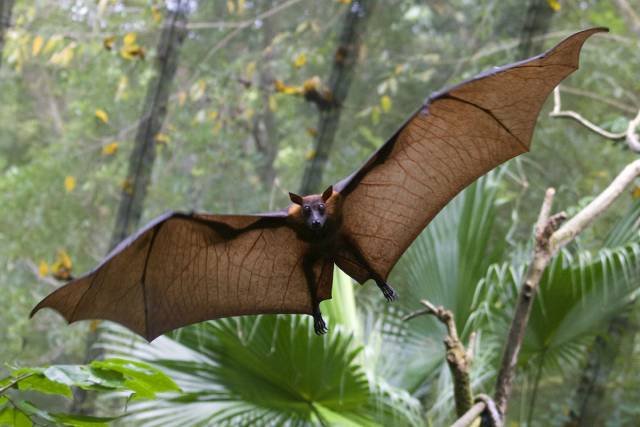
x: 102, y: 115
x: 385, y: 103
x: 130, y: 48
x: 162, y: 138
x: 300, y: 60
x: 43, y: 268
x: 63, y: 57
x: 36, y: 45
x: 108, y: 42
x: 69, y: 183
x: 156, y: 14
x: 62, y: 267
x: 554, y: 4
x: 110, y: 149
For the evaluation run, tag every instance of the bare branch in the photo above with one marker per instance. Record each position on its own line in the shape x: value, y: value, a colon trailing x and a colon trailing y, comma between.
x: 545, y: 226
x: 458, y: 358
x: 629, y: 134
x: 593, y: 210
x: 557, y: 112
x: 470, y: 416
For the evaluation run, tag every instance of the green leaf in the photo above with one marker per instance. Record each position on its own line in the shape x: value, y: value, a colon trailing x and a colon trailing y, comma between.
x: 142, y: 378
x: 13, y: 417
x: 42, y: 384
x: 83, y: 420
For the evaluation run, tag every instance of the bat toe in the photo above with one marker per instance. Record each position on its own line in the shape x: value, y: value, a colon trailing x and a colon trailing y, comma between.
x: 389, y: 293
x: 319, y: 325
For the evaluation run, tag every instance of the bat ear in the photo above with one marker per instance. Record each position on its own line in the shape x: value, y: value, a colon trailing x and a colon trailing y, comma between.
x: 327, y: 193
x: 295, y: 198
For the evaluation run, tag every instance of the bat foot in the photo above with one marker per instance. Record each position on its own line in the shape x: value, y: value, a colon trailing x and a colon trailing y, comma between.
x: 318, y: 324
x: 389, y: 293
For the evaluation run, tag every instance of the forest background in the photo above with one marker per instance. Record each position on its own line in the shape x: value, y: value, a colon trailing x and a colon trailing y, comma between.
x: 81, y: 85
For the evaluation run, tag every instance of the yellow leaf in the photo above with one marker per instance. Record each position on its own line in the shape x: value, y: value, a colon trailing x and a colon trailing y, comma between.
x: 636, y: 192
x: 273, y: 103
x: 129, y: 39
x: 182, y: 98
x: 385, y: 103
x: 110, y: 149
x: 300, y: 60
x: 107, y: 42
x: 36, y: 46
x: 213, y: 115
x: 162, y: 138
x: 132, y: 51
x: 69, y: 183
x: 61, y: 269
x: 311, y: 84
x: 310, y: 155
x: 312, y: 132
x: 156, y: 14
x: 43, y: 268
x: 64, y: 259
x: 554, y: 4
x: 64, y: 57
x: 102, y: 115
x: 241, y: 6
x: 400, y: 68
x: 52, y: 43
x: 344, y: 1
x: 231, y: 6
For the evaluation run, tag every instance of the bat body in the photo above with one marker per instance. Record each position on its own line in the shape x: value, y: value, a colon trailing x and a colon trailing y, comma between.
x: 186, y: 268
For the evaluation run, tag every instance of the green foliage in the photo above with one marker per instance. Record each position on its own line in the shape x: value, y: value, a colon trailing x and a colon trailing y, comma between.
x: 137, y: 379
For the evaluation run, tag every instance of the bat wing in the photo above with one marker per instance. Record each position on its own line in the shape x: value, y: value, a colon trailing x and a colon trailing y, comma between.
x: 458, y: 135
x: 186, y: 268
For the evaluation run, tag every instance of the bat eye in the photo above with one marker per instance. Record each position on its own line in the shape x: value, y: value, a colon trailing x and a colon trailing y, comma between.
x: 306, y: 209
x: 321, y: 208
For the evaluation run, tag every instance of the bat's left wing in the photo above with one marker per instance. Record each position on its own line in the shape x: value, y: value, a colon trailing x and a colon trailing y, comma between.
x: 185, y: 268
x: 455, y: 137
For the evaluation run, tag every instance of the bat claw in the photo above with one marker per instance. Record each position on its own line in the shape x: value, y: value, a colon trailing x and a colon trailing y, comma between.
x: 318, y: 324
x: 389, y: 293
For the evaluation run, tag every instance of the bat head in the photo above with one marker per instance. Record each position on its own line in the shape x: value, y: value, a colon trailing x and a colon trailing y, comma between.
x: 313, y: 208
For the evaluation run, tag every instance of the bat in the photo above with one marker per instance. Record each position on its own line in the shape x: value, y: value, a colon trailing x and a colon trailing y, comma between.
x: 184, y: 268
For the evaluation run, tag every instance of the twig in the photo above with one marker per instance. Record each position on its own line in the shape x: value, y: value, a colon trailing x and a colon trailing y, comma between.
x: 458, y: 359
x: 629, y: 134
x: 558, y: 112
x: 15, y: 381
x: 593, y: 210
x: 474, y: 412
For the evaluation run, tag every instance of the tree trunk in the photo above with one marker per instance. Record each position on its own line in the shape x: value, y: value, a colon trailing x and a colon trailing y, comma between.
x: 143, y: 154
x: 344, y: 63
x: 6, y: 7
x: 265, y: 132
x: 536, y: 23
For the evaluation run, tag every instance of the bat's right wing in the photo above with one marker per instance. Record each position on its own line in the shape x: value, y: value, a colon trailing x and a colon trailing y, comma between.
x: 458, y: 135
x: 186, y: 268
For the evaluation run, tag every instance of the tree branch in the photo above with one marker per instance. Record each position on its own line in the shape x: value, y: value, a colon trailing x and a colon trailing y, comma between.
x: 629, y: 134
x: 545, y: 226
x: 458, y: 359
x: 593, y: 210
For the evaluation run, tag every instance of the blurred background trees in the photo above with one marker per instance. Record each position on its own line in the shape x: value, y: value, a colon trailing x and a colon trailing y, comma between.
x: 239, y: 133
